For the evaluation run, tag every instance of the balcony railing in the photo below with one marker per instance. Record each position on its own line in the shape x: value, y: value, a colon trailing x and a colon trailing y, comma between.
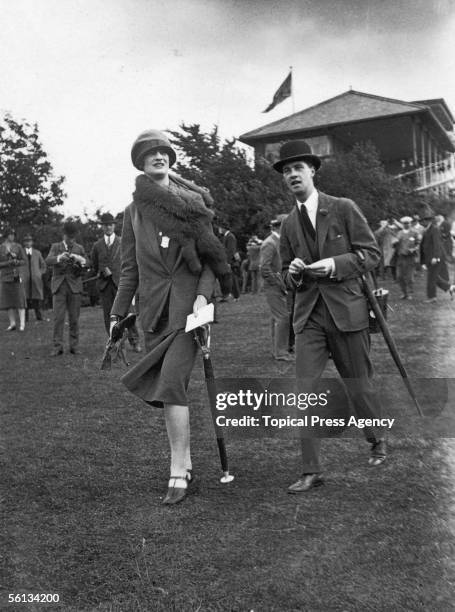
x: 439, y: 174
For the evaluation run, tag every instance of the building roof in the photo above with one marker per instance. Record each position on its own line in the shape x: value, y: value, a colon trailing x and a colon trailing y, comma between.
x: 350, y: 106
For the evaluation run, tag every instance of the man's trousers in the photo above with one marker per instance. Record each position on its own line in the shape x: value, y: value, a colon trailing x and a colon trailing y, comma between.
x: 107, y: 297
x: 350, y: 353
x: 276, y: 300
x: 65, y: 300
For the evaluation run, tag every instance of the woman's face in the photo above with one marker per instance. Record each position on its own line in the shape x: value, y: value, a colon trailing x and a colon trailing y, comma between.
x: 10, y: 237
x: 156, y: 164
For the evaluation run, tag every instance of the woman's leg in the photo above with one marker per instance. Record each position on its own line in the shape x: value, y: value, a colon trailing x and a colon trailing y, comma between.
x: 178, y: 431
x: 11, y: 317
x: 21, y: 312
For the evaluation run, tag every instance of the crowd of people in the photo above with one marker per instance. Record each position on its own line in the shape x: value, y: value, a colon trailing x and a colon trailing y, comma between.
x: 169, y: 262
x: 412, y: 244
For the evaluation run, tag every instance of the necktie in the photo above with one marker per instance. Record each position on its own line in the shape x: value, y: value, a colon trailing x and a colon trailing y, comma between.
x: 307, y: 222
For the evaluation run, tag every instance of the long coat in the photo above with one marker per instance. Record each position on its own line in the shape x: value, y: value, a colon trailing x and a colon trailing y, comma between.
x: 102, y: 257
x: 38, y: 268
x: 9, y: 273
x: 341, y: 229
x: 63, y: 271
x: 162, y: 288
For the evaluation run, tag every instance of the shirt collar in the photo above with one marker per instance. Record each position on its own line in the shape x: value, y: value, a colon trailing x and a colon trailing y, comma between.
x: 275, y: 233
x: 311, y: 203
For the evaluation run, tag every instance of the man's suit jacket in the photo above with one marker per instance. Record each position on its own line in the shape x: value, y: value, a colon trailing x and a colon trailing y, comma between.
x: 431, y: 245
x: 341, y: 230
x: 63, y: 271
x: 270, y: 261
x: 230, y: 246
x: 144, y: 267
x: 37, y: 268
x: 102, y: 257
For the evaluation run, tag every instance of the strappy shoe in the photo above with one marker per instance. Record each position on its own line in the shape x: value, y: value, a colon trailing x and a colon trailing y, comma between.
x: 177, y: 489
x: 11, y: 327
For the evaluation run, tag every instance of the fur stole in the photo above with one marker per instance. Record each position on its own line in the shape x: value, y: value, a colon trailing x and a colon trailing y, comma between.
x: 180, y: 213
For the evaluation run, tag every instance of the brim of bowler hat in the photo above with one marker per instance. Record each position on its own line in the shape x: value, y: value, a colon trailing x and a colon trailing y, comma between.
x: 313, y: 159
x: 139, y: 163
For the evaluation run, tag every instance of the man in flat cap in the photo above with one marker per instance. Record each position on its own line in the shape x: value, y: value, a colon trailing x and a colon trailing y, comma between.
x: 275, y: 291
x: 105, y: 261
x: 325, y: 245
x: 67, y: 259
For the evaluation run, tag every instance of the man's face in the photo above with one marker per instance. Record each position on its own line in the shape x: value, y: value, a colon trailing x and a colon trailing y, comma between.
x: 406, y: 225
x: 69, y: 240
x: 298, y: 176
x: 156, y: 164
x: 108, y: 228
x: 28, y: 244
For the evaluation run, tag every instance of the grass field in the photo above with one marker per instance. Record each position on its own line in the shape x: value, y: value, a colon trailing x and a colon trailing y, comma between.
x: 85, y: 467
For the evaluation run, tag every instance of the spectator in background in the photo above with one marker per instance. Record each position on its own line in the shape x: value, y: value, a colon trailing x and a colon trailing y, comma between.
x: 386, y: 235
x: 245, y: 275
x: 33, y: 271
x: 275, y: 291
x: 433, y: 257
x: 105, y: 262
x: 229, y: 241
x: 12, y: 294
x: 253, y: 251
x: 406, y: 246
x: 67, y: 259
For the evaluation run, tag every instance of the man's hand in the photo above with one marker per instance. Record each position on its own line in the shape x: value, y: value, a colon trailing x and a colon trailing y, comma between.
x: 63, y: 257
x: 296, y: 266
x: 107, y: 271
x: 434, y: 261
x: 323, y: 267
x: 78, y: 258
x: 199, y: 302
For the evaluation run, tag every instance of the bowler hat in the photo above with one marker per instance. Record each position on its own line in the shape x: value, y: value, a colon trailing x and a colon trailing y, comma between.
x: 28, y: 237
x: 69, y: 229
x: 295, y: 150
x: 146, y: 143
x: 427, y: 212
x: 106, y: 219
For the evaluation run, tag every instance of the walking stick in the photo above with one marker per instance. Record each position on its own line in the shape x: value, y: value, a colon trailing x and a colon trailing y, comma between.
x: 386, y: 334
x: 202, y: 337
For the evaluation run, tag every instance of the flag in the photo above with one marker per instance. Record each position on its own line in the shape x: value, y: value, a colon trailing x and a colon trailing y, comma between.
x: 283, y: 92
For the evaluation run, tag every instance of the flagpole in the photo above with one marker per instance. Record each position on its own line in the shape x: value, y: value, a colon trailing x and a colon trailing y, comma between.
x: 292, y: 91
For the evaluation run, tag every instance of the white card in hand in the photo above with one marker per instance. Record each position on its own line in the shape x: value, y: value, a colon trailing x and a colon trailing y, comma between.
x: 204, y: 315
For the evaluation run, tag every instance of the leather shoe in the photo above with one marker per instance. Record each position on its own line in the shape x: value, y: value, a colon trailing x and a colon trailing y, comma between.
x: 75, y: 351
x: 305, y: 483
x: 378, y: 453
x: 177, y: 491
x: 56, y: 352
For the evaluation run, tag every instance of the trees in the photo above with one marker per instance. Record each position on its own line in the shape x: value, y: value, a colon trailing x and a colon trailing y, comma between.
x: 246, y: 198
x: 29, y: 191
x: 359, y: 175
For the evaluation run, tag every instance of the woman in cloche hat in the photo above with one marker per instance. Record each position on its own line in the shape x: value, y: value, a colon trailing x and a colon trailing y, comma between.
x: 171, y: 257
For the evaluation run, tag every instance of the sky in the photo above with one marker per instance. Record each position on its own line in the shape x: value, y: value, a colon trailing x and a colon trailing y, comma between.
x: 95, y: 73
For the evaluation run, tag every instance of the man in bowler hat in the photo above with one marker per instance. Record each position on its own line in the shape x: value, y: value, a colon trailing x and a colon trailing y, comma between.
x: 318, y: 245
x: 67, y: 259
x: 106, y: 261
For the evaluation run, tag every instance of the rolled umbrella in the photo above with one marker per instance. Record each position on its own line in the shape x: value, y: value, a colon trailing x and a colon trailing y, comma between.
x: 202, y: 336
x: 387, y: 335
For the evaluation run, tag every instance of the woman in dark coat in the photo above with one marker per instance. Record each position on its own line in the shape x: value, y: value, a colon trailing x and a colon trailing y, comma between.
x: 171, y: 257
x: 12, y: 294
